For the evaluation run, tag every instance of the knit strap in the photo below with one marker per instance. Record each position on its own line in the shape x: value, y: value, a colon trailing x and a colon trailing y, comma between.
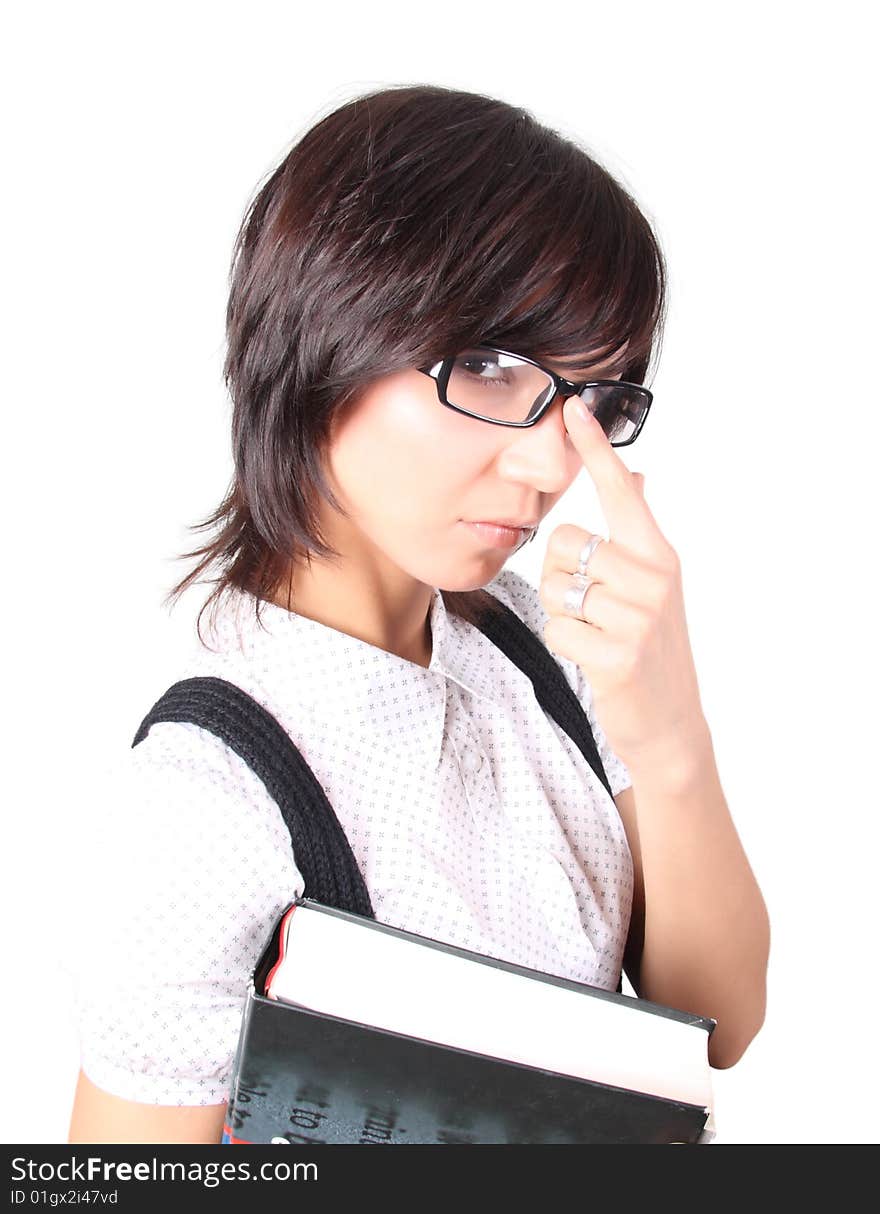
x: 320, y: 848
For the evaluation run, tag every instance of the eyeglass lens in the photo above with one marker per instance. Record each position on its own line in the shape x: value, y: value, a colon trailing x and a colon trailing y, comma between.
x: 501, y: 387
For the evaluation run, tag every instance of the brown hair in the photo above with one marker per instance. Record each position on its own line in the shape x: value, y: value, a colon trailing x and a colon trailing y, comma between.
x: 408, y: 224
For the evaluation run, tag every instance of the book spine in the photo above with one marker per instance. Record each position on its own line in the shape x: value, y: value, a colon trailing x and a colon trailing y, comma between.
x: 239, y: 1097
x: 709, y: 1130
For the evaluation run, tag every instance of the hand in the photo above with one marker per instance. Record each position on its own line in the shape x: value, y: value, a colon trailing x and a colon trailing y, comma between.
x: 632, y: 643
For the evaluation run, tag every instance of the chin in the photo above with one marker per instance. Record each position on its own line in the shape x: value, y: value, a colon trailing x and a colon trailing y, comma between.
x: 479, y: 574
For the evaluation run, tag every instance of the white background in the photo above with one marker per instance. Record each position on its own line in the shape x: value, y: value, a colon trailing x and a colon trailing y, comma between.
x: 134, y: 138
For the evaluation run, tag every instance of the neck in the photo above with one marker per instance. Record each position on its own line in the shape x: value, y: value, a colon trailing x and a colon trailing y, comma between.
x: 380, y: 605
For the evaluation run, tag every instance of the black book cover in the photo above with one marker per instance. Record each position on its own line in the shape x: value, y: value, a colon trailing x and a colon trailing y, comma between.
x: 306, y: 1077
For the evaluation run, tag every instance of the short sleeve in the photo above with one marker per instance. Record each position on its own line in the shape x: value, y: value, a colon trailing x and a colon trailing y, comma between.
x: 184, y: 866
x: 518, y: 593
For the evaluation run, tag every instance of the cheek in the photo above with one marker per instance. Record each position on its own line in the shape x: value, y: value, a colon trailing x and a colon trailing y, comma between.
x: 396, y: 452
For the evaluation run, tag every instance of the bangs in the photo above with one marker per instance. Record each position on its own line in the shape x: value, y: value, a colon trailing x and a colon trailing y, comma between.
x: 574, y: 270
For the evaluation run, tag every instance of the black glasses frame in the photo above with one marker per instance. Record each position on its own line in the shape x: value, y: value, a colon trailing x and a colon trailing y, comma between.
x: 442, y: 370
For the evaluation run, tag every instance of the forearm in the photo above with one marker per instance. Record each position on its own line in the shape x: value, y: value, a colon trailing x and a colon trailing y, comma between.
x: 707, y: 933
x: 99, y: 1117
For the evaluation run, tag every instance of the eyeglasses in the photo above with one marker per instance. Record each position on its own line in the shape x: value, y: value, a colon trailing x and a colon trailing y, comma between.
x: 510, y: 390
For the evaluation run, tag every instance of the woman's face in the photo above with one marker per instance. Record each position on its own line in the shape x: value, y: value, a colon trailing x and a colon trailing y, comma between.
x: 413, y: 474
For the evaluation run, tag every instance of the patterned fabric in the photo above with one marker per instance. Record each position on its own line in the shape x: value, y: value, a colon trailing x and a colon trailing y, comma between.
x: 473, y: 817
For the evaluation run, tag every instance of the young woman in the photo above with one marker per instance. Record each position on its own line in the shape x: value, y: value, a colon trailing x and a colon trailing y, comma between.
x: 422, y: 293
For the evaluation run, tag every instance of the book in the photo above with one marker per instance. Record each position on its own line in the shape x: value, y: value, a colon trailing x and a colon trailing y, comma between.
x: 355, y: 1031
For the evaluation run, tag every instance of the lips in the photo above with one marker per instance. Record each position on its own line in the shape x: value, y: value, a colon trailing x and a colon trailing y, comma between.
x: 508, y: 522
x: 495, y: 535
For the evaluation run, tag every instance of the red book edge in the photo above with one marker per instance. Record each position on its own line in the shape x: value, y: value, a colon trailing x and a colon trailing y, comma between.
x: 281, y: 950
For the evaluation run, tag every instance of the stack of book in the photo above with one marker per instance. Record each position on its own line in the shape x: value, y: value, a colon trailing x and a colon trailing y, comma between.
x: 358, y: 1032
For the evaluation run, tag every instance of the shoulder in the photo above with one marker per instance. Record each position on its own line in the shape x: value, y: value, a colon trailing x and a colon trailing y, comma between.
x: 184, y: 776
x: 181, y: 814
x: 179, y: 763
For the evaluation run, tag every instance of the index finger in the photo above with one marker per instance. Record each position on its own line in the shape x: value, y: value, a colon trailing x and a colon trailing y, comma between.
x: 627, y: 514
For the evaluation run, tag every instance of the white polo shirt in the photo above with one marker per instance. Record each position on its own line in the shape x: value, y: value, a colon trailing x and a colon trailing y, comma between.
x: 473, y: 817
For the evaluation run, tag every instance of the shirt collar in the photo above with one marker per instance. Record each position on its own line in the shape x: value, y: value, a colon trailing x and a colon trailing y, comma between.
x: 335, y: 678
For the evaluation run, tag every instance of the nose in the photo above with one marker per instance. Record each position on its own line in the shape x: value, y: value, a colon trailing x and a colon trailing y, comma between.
x: 542, y: 455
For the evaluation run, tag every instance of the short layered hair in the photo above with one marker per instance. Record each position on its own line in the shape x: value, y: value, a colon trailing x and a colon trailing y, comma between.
x: 407, y: 225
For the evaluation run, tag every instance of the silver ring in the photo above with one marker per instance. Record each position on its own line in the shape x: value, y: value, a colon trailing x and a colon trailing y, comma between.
x: 573, y: 602
x: 587, y: 551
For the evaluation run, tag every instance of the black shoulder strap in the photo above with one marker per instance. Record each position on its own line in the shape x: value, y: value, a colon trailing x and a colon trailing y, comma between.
x: 321, y: 850
x: 323, y: 854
